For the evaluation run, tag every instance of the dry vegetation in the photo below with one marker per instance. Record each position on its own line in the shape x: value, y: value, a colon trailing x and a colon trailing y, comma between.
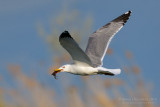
x: 94, y: 91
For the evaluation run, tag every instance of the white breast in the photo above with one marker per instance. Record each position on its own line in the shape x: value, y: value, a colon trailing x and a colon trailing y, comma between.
x: 82, y: 70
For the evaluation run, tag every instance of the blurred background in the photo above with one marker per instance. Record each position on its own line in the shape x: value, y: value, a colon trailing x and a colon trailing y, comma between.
x: 30, y: 50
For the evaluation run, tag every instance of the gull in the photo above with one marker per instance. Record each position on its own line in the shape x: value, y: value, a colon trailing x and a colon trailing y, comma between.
x: 90, y: 61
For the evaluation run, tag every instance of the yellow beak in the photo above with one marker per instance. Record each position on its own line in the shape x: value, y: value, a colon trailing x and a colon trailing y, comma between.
x: 55, y: 72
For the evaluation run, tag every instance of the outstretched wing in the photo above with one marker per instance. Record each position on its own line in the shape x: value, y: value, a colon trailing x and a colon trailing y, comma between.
x: 99, y: 41
x: 77, y: 54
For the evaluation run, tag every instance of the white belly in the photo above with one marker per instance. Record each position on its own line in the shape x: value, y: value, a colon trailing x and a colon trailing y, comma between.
x: 83, y: 70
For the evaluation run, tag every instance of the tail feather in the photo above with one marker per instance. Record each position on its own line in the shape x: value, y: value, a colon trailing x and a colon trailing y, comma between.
x: 115, y: 71
x: 106, y: 73
x: 110, y: 72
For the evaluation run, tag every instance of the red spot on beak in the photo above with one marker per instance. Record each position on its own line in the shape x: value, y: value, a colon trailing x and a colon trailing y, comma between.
x: 55, y: 72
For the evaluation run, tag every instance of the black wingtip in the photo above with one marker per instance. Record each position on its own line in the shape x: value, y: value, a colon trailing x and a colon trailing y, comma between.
x: 65, y: 31
x: 128, y: 13
x: 65, y: 34
x: 124, y: 17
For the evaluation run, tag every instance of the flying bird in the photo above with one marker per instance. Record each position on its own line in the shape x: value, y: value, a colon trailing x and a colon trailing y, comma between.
x: 90, y: 61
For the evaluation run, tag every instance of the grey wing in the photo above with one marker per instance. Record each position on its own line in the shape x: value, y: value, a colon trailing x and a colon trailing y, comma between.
x: 99, y: 41
x: 77, y: 54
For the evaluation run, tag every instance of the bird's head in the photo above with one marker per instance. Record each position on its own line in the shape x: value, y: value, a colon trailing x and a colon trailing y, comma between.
x: 64, y: 68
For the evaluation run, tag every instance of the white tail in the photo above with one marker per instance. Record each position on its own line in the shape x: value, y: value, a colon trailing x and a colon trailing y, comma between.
x: 115, y: 71
x: 106, y: 71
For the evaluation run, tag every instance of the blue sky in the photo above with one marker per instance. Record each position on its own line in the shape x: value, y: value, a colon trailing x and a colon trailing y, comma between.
x: 21, y: 44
